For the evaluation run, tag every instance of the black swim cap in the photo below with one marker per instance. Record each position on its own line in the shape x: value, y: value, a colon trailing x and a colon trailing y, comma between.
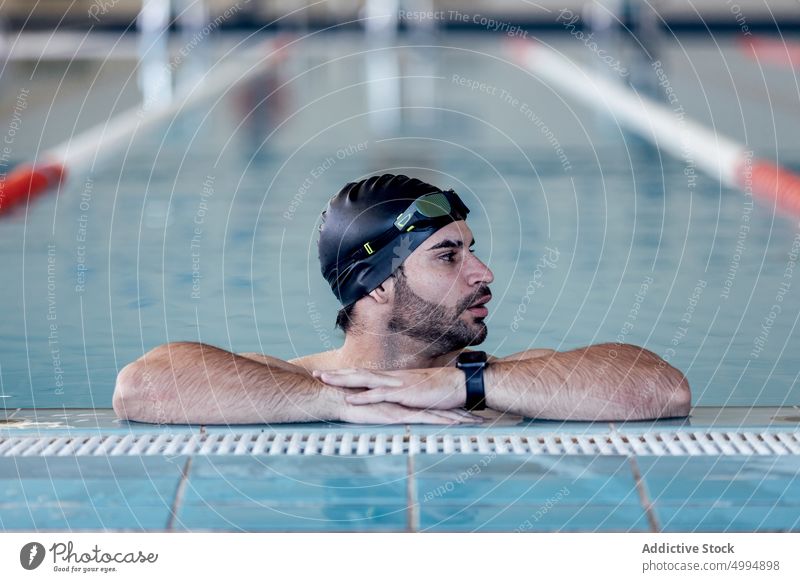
x: 359, y: 215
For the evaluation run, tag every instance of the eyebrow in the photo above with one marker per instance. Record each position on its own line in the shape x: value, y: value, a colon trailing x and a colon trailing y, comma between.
x: 449, y: 244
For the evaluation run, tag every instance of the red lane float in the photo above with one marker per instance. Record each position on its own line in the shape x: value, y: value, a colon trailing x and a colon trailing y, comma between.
x: 26, y: 181
x: 781, y: 52
x: 82, y: 151
x: 773, y: 184
x: 726, y: 160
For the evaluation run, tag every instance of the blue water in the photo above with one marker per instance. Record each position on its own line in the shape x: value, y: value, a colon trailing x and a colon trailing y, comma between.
x: 205, y: 230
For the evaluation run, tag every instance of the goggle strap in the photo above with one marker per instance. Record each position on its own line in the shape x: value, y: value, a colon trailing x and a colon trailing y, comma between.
x: 372, y: 246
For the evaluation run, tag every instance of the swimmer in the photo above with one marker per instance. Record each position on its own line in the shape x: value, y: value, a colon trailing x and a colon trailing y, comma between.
x: 398, y: 255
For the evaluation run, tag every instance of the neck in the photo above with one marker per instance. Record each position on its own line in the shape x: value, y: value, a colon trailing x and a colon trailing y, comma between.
x: 390, y: 351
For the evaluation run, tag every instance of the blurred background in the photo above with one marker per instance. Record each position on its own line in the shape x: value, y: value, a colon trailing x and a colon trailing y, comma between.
x: 202, y: 139
x: 48, y: 14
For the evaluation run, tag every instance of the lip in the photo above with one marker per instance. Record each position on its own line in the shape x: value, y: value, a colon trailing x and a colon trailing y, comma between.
x: 478, y: 308
x: 482, y: 301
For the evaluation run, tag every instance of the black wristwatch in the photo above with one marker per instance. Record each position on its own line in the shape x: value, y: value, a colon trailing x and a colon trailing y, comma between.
x: 473, y: 363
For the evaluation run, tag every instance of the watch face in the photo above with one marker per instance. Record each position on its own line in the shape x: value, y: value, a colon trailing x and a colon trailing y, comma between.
x: 472, y: 358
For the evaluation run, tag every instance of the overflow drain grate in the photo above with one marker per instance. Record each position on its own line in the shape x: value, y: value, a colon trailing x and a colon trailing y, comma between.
x: 351, y: 443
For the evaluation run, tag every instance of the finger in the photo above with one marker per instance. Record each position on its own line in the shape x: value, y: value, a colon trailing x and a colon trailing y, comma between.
x: 468, y: 415
x: 382, y: 377
x: 453, y: 415
x: 447, y: 414
x: 427, y: 417
x: 318, y: 373
x: 420, y: 416
x: 358, y: 378
x: 399, y: 415
x: 339, y: 380
x: 368, y: 397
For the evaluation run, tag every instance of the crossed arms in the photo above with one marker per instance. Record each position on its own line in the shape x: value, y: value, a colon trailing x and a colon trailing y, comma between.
x: 194, y: 383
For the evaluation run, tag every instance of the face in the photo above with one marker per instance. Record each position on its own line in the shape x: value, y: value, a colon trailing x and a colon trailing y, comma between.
x: 435, y: 298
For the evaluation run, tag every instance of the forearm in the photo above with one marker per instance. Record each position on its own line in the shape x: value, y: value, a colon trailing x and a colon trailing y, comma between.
x: 600, y: 382
x: 200, y: 384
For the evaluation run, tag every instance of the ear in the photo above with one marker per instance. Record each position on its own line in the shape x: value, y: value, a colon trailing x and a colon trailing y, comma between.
x: 384, y: 292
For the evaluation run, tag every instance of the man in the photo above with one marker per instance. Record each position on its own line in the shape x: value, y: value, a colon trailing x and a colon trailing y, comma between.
x: 397, y: 254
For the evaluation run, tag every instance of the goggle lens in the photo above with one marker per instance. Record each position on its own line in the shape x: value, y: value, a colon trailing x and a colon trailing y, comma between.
x: 430, y: 206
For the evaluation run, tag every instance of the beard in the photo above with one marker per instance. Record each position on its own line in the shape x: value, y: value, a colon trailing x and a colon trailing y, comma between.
x: 438, y: 326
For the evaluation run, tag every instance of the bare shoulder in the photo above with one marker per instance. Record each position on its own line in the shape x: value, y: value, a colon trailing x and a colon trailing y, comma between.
x: 524, y: 355
x: 300, y: 364
x: 318, y: 361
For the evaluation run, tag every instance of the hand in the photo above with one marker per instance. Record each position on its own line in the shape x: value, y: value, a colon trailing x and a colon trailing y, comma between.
x: 425, y: 388
x: 390, y: 413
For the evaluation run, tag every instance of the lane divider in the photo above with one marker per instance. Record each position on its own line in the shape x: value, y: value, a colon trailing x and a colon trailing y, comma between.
x: 26, y: 181
x: 72, y: 156
x: 685, y: 139
x: 776, y: 185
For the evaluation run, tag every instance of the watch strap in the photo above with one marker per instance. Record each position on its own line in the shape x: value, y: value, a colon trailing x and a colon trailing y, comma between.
x: 476, y: 393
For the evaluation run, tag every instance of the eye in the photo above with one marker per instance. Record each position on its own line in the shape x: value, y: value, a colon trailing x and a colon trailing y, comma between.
x: 447, y: 257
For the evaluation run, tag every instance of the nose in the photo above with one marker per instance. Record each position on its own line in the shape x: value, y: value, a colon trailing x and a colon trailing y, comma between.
x: 479, y: 272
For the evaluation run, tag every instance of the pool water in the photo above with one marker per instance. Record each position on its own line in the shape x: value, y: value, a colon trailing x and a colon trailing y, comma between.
x: 205, y: 230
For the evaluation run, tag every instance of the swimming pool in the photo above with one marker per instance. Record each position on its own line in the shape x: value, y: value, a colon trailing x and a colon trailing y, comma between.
x: 205, y: 230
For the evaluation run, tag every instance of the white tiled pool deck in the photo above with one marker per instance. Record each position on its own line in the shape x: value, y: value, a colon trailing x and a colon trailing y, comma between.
x: 422, y: 491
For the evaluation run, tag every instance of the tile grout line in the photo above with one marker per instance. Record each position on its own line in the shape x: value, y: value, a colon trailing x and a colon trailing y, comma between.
x: 412, y: 513
x: 179, y: 494
x: 413, y: 509
x: 643, y: 498
x: 647, y: 506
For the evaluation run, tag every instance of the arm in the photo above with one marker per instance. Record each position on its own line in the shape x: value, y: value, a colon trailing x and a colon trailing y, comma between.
x: 523, y: 355
x: 186, y: 382
x: 599, y: 382
x: 195, y: 383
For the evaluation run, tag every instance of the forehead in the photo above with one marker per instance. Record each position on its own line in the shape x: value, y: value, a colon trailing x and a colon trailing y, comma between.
x: 457, y: 230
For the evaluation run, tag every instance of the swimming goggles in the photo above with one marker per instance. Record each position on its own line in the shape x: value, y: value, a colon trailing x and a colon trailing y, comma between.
x: 426, y: 211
